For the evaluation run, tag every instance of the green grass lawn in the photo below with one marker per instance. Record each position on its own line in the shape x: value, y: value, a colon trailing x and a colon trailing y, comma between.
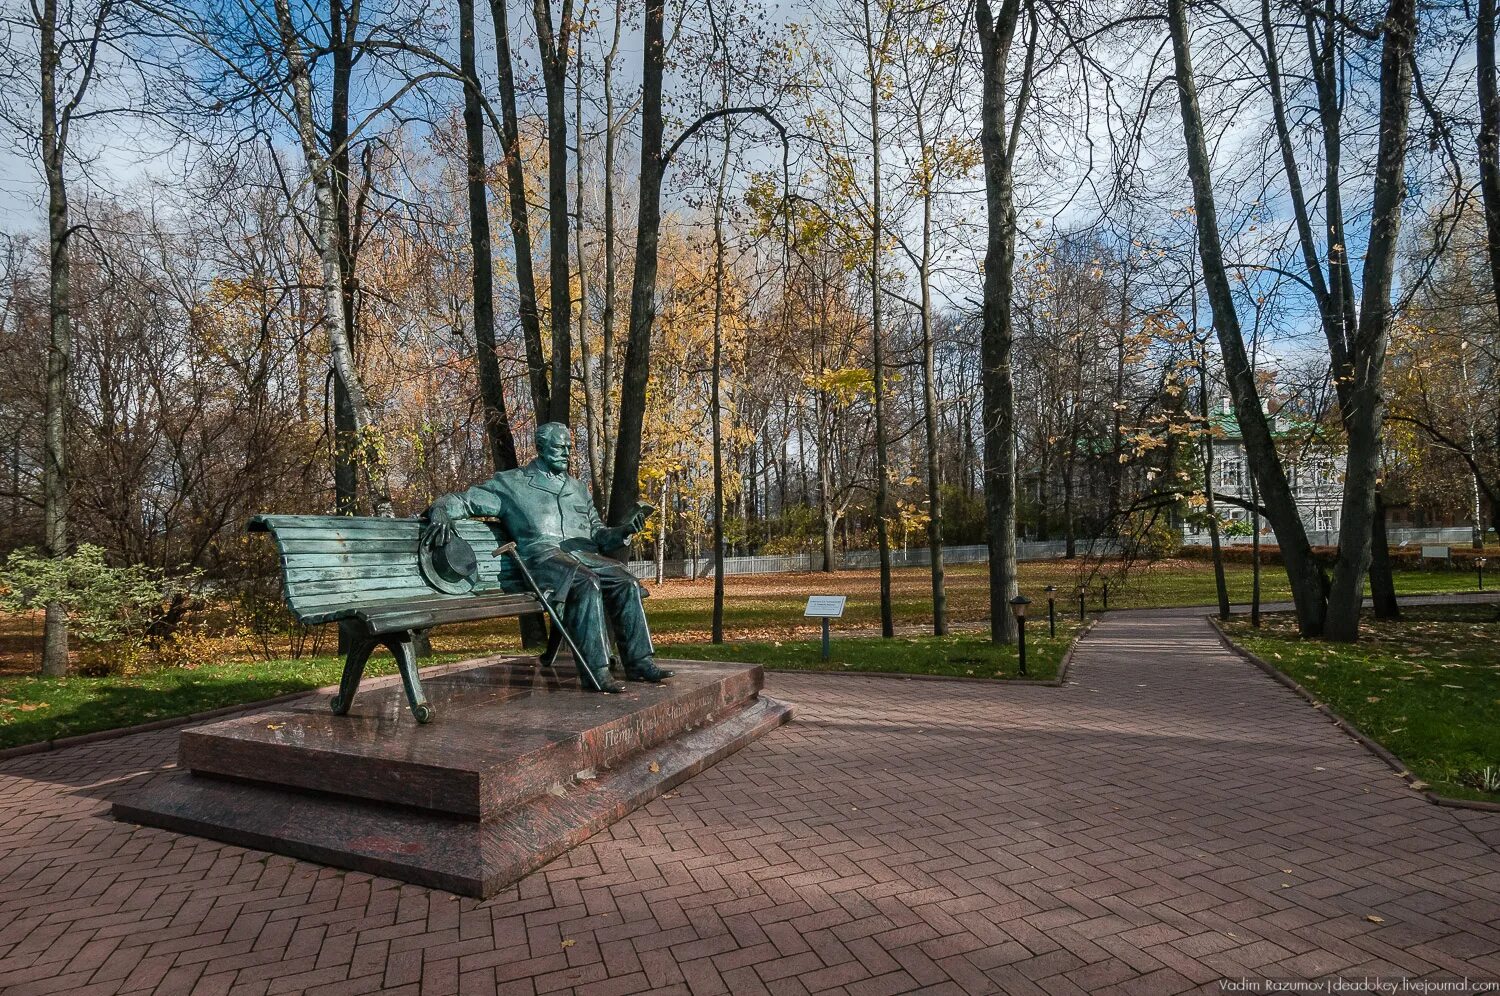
x: 1427, y: 688
x: 964, y: 655
x: 33, y: 709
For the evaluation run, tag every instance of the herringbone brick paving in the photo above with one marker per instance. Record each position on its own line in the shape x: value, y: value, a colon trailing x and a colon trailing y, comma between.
x: 1169, y: 818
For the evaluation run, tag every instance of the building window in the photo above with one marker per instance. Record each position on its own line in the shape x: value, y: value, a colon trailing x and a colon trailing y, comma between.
x: 1319, y: 472
x: 1231, y: 472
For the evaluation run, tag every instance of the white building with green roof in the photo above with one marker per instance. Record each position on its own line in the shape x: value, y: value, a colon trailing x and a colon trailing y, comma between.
x: 1314, y: 468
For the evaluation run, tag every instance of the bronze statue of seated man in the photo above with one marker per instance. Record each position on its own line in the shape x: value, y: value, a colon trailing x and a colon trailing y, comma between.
x: 561, y: 539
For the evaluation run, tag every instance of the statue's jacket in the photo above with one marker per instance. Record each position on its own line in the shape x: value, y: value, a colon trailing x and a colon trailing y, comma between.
x: 550, y: 516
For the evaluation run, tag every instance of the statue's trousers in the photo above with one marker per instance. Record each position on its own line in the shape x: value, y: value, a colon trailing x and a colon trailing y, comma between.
x: 599, y: 598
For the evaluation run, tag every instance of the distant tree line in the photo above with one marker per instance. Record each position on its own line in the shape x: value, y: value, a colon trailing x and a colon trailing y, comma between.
x: 832, y: 277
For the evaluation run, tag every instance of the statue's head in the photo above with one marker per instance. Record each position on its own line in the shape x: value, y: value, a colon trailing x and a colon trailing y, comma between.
x: 554, y: 442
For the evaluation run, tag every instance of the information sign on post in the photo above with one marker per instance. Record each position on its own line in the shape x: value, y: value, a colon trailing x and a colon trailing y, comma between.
x: 825, y: 607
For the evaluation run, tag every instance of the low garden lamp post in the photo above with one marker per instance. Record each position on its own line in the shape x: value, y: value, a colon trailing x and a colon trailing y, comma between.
x: 1106, y: 595
x: 1081, y: 592
x: 1051, y: 610
x: 1018, y: 608
x: 1479, y: 563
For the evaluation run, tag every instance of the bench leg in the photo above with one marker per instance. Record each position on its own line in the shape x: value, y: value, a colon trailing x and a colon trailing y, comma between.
x: 360, y: 646
x: 404, y: 649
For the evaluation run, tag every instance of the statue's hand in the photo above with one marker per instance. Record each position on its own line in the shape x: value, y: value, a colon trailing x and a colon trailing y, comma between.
x: 637, y: 520
x: 439, y: 528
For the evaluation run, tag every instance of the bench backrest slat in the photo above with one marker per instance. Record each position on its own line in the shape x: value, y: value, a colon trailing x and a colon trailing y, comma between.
x: 334, y: 566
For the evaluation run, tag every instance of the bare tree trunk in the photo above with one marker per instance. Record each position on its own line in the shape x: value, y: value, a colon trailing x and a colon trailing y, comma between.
x: 1043, y: 491
x: 585, y: 350
x: 554, y: 55
x: 625, y: 488
x: 753, y: 485
x: 1489, y: 176
x: 1221, y: 587
x: 491, y: 388
x: 15, y: 476
x: 59, y: 341
x: 999, y: 139
x: 930, y: 425
x: 825, y: 488
x: 873, y: 48
x: 1356, y: 349
x: 661, y: 535
x: 715, y: 406
x: 1476, y: 534
x: 1305, y: 576
x: 1254, y: 554
x: 1365, y: 405
x: 342, y: 30
x: 1070, y: 519
x: 1382, y: 583
x: 802, y: 478
x: 1116, y: 466
x: 1210, y: 509
x: 520, y: 222
x: 611, y: 269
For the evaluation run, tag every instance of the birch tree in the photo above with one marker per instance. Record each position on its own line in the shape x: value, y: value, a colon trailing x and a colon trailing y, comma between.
x: 326, y: 240
x: 70, y: 43
x: 929, y: 63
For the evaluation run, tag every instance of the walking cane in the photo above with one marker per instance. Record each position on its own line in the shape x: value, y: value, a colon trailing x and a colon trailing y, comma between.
x: 510, y: 548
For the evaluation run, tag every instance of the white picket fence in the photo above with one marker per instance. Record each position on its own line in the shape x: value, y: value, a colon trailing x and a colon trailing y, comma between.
x: 1397, y: 537
x: 703, y: 567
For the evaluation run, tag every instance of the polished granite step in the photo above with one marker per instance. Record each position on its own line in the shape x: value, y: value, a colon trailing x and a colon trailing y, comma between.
x: 505, y: 733
x: 520, y: 766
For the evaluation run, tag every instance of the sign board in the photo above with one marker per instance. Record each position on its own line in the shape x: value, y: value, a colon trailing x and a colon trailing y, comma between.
x: 1435, y: 552
x: 825, y: 606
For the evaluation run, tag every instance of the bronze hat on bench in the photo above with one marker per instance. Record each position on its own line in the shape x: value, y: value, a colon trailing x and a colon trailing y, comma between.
x: 451, y: 568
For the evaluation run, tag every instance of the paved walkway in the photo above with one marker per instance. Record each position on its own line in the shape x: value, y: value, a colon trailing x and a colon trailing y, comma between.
x: 1169, y: 818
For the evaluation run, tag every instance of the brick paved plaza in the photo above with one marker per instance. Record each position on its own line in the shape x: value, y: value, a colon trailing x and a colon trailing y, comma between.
x: 1171, y: 817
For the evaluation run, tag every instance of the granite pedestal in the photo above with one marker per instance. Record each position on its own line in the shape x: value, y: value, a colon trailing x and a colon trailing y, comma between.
x: 519, y: 766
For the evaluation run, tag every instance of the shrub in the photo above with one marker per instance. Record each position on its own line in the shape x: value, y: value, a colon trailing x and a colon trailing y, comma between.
x: 1151, y: 536
x: 133, y: 610
x: 260, y: 613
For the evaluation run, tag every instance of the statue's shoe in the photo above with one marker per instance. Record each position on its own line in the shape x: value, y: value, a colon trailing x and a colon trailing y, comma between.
x: 647, y: 670
x: 607, y: 683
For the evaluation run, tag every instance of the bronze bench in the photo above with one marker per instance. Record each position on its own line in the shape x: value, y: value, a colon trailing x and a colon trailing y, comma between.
x: 365, y: 575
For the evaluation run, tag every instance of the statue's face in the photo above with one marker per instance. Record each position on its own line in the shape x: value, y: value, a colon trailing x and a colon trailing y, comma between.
x: 553, y: 449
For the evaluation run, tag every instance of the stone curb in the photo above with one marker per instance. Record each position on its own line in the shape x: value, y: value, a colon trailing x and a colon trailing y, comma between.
x: 1391, y: 760
x: 1058, y: 682
x: 42, y: 746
